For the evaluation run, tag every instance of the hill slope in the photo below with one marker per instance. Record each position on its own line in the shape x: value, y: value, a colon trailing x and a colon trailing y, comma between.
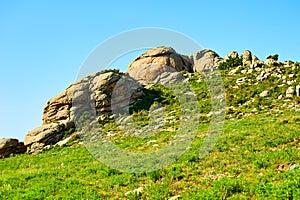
x: 257, y: 155
x: 252, y: 159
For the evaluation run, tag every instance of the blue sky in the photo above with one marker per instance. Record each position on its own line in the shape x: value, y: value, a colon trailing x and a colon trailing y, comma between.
x: 44, y: 43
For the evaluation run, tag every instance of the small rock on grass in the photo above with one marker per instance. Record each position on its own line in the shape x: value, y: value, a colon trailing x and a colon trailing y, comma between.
x: 175, y: 197
x: 137, y: 191
x: 294, y: 167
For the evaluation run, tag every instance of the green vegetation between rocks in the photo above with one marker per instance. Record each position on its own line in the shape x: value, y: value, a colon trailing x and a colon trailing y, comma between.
x: 252, y: 159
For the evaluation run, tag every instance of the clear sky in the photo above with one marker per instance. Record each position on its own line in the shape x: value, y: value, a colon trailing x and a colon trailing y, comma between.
x: 44, y: 43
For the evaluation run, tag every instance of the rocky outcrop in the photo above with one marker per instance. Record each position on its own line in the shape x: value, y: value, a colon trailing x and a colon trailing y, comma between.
x: 205, y: 59
x: 44, y: 135
x: 92, y: 94
x: 164, y: 60
x: 247, y: 58
x: 272, y: 60
x: 256, y: 62
x: 102, y: 93
x: 10, y: 146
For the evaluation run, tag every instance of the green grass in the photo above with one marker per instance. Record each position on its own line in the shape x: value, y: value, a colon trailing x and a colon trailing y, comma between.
x: 242, y: 165
x: 250, y: 160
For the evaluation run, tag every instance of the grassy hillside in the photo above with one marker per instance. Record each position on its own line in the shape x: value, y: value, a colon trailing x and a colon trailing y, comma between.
x: 253, y: 159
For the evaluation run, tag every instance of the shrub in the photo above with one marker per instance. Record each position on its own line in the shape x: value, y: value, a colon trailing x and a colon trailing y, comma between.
x: 230, y: 63
x: 275, y: 57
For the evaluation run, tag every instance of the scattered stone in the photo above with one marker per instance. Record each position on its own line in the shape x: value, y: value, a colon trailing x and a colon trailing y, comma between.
x: 254, y: 110
x: 137, y: 192
x: 151, y: 141
x: 298, y: 90
x: 294, y: 167
x: 290, y: 92
x: 10, y: 146
x: 234, y: 71
x: 240, y: 80
x: 264, y: 93
x: 257, y: 69
x: 250, y: 71
x: 175, y: 197
x: 209, y: 114
x: 244, y: 71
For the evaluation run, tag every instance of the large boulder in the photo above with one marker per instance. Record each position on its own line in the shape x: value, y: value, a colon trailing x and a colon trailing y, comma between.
x: 10, y: 146
x: 205, y: 59
x: 91, y: 92
x: 164, y: 57
x: 247, y: 58
x: 256, y: 62
x: 60, y: 107
x: 41, y: 136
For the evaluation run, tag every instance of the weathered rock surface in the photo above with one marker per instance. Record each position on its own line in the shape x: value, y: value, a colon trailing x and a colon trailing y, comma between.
x: 167, y: 78
x: 290, y: 92
x: 232, y: 55
x: 149, y: 72
x: 272, y: 60
x: 44, y: 135
x: 205, y: 59
x: 264, y: 93
x: 256, y: 62
x: 298, y: 90
x: 92, y: 94
x: 10, y: 146
x: 164, y: 56
x: 247, y: 58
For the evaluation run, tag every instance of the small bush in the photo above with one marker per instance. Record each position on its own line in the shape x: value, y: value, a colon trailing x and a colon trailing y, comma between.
x: 230, y: 63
